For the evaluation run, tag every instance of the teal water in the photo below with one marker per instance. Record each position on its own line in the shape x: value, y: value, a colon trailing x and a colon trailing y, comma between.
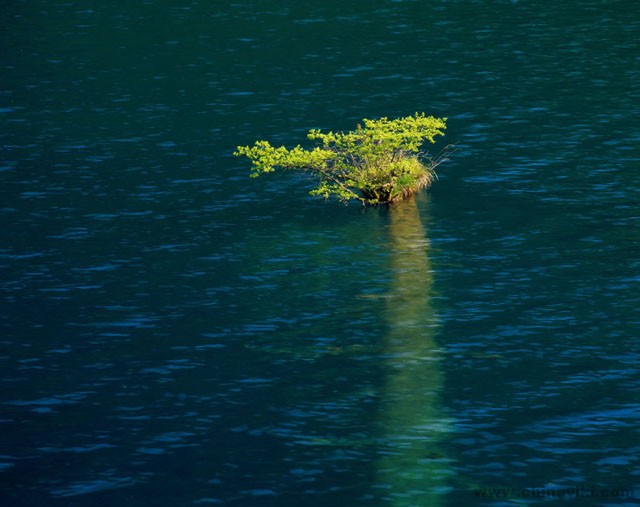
x: 175, y: 333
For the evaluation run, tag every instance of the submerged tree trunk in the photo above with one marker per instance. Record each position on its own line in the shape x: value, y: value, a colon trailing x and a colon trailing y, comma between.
x: 412, y: 470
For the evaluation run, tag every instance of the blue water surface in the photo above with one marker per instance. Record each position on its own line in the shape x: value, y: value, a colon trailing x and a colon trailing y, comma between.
x: 173, y: 332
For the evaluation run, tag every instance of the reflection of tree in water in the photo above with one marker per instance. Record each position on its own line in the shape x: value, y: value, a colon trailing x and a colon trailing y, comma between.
x: 411, y: 470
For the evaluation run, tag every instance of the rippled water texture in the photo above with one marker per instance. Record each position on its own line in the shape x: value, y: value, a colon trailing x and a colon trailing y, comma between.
x: 174, y: 333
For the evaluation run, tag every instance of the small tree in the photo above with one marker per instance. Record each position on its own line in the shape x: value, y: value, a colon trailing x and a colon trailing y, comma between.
x: 377, y: 163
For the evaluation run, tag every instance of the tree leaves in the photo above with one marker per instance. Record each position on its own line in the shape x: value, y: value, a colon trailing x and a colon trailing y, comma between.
x: 377, y: 163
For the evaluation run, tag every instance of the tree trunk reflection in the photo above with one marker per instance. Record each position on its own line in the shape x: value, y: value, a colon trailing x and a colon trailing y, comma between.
x: 411, y: 470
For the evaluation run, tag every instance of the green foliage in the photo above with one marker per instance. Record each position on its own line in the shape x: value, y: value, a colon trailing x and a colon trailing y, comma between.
x: 377, y: 163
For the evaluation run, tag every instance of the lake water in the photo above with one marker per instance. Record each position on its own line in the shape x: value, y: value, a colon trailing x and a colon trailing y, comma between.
x: 174, y: 333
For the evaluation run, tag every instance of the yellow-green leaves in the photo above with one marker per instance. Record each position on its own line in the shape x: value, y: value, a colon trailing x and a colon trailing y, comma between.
x: 376, y: 163
x: 265, y: 158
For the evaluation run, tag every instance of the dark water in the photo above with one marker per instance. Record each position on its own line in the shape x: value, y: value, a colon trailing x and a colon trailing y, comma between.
x: 174, y: 333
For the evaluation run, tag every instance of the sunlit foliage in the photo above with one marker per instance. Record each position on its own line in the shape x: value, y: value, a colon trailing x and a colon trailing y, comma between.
x: 378, y: 163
